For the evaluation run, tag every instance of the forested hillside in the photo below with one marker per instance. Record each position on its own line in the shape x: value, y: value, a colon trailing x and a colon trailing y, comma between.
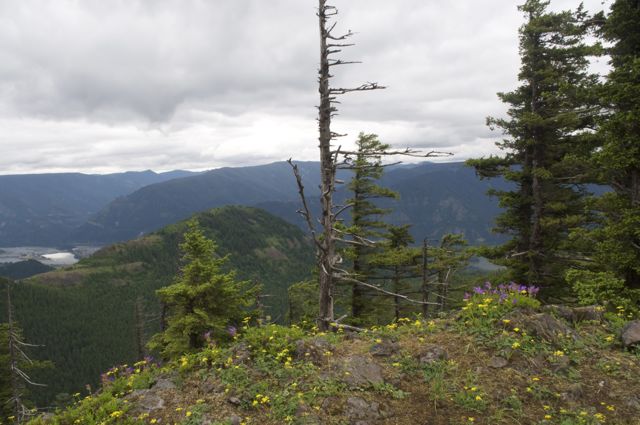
x: 23, y: 269
x: 85, y: 315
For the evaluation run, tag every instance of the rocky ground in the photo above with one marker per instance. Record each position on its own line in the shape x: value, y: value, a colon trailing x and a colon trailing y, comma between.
x: 482, y: 365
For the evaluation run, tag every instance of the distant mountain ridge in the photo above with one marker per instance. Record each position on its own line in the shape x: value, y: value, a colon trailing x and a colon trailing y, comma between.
x: 43, y: 209
x: 434, y: 198
x: 71, y: 209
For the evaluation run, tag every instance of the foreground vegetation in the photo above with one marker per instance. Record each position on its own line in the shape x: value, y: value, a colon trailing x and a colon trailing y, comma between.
x: 496, y: 361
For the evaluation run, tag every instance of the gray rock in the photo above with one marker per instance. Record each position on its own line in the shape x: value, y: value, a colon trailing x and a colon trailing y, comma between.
x: 574, y: 393
x: 235, y: 401
x: 359, y: 371
x: 312, y: 350
x: 633, y: 402
x: 630, y: 334
x: 547, y: 327
x: 591, y: 313
x: 234, y: 420
x: 431, y: 353
x: 331, y: 406
x: 575, y: 314
x: 305, y: 416
x: 498, y: 362
x: 359, y: 409
x: 164, y: 384
x: 146, y: 401
x: 385, y: 349
x: 560, y: 364
x: 560, y: 311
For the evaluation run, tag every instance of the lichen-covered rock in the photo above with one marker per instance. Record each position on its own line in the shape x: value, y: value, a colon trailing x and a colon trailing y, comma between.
x: 164, y: 384
x: 360, y: 411
x: 360, y: 371
x: 543, y: 326
x: 498, y: 362
x: 146, y: 401
x: 431, y: 353
x: 386, y: 348
x: 630, y: 334
x: 312, y: 350
x: 587, y: 313
x: 576, y: 314
x: 574, y: 393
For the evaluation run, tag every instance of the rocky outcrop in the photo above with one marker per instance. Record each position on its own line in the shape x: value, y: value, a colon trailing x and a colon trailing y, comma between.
x: 361, y: 372
x: 630, y: 334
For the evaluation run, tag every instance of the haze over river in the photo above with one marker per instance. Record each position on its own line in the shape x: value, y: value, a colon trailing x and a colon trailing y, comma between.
x: 50, y: 256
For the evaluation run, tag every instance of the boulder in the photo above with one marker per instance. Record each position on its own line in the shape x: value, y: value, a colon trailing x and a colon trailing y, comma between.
x: 630, y: 334
x: 312, y: 350
x: 574, y: 393
x: 146, y: 401
x: 234, y: 420
x: 431, y: 353
x: 360, y: 411
x: 164, y: 384
x: 544, y: 326
x: 588, y: 313
x: 386, y: 348
x: 235, y: 401
x: 560, y: 364
x: 576, y: 314
x: 498, y: 362
x: 359, y: 371
x: 560, y: 311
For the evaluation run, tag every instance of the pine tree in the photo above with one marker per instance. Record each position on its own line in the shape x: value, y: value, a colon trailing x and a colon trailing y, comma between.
x: 613, y: 240
x: 548, y: 136
x: 366, y: 214
x: 203, y: 298
x: 400, y: 259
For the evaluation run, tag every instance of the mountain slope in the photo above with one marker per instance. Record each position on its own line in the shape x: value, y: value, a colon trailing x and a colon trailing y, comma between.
x: 435, y: 198
x: 23, y: 269
x: 42, y: 209
x: 160, y: 204
x: 85, y: 315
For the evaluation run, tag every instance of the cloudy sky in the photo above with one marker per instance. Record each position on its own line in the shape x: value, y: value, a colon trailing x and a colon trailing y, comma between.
x: 110, y: 85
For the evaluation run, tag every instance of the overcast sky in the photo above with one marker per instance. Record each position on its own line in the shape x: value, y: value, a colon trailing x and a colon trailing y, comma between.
x: 102, y: 86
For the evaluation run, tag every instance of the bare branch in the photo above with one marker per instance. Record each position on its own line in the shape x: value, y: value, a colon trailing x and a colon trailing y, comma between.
x: 405, y: 152
x: 345, y: 276
x: 343, y: 209
x: 363, y: 87
x: 26, y: 377
x: 305, y: 212
x: 336, y: 62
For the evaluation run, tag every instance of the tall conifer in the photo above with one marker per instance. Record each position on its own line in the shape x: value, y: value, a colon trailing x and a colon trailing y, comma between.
x: 548, y: 133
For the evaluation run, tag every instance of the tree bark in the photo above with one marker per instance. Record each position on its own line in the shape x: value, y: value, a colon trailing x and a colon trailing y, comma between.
x: 327, y: 171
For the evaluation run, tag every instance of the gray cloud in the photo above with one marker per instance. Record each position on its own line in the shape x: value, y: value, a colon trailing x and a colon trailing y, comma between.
x: 163, y: 84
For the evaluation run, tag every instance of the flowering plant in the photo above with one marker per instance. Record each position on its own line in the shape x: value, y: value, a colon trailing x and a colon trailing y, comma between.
x: 493, y: 302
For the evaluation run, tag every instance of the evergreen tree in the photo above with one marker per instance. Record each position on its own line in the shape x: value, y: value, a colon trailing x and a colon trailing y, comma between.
x: 366, y: 223
x: 548, y: 136
x: 400, y: 260
x: 203, y: 298
x: 613, y: 240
